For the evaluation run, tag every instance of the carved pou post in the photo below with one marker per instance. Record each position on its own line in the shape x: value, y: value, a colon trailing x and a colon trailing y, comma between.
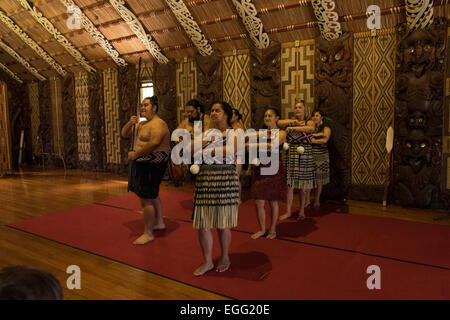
x: 164, y: 79
x: 265, y: 81
x: 420, y: 81
x: 333, y: 95
x: 209, y: 79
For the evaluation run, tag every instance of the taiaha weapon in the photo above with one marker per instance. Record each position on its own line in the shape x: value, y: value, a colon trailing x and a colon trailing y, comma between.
x: 137, y: 98
x: 389, y: 145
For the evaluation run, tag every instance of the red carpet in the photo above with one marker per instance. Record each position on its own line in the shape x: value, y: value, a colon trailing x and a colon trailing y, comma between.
x: 404, y: 240
x: 261, y: 269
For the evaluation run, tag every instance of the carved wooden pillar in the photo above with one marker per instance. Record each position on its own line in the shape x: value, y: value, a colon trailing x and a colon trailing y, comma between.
x: 164, y: 82
x: 128, y: 107
x: 96, y: 122
x: 19, y: 118
x: 265, y: 81
x: 45, y: 126
x: 209, y: 79
x: 69, y: 114
x: 333, y: 95
x: 420, y: 78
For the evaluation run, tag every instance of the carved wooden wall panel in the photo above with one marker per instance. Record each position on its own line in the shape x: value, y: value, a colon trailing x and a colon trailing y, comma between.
x: 420, y: 79
x: 209, y: 79
x: 128, y: 105
x: 265, y: 81
x: 45, y: 127
x: 69, y: 115
x: 82, y: 116
x: 33, y: 93
x: 165, y: 89
x: 333, y: 95
x: 96, y: 122
x: 5, y: 137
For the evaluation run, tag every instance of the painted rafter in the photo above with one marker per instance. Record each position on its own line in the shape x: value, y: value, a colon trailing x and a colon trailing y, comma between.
x: 190, y: 26
x: 97, y: 35
x: 328, y: 19
x: 255, y: 28
x: 134, y: 24
x: 31, y: 43
x: 22, y: 61
x: 12, y: 74
x: 43, y: 21
x: 419, y: 13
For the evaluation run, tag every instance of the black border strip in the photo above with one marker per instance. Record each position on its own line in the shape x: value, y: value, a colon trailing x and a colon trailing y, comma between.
x: 303, y: 242
x: 123, y: 263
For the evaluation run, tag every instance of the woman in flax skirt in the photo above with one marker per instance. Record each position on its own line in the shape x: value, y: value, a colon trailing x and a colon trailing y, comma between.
x: 320, y: 154
x: 269, y: 187
x: 300, y: 169
x: 216, y: 190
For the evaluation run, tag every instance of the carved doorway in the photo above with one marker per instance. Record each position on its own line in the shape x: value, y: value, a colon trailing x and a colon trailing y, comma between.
x: 5, y: 138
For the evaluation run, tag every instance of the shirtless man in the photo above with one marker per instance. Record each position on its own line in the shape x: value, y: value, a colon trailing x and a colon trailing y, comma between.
x: 148, y: 163
x: 195, y: 112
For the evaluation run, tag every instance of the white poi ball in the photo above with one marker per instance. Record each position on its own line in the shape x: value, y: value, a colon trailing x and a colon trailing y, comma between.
x: 301, y: 149
x: 194, y: 169
x: 256, y: 162
x: 285, y: 146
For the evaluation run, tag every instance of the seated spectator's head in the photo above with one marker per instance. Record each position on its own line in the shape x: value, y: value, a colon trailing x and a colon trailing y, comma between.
x: 23, y: 283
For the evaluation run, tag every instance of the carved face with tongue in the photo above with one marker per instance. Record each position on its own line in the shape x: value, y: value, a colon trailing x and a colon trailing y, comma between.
x: 419, y: 52
x: 417, y: 149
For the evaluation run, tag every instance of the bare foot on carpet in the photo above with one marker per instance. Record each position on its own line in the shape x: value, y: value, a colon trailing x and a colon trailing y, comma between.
x: 301, y: 217
x: 271, y: 235
x: 204, y: 268
x: 223, y: 266
x: 160, y: 226
x: 285, y: 216
x: 316, y: 205
x: 145, y: 238
x: 258, y: 234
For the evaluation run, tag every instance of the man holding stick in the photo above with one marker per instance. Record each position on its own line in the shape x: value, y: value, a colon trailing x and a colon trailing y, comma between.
x: 148, y: 163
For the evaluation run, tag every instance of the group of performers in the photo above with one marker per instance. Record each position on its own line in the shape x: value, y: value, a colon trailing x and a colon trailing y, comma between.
x: 217, y: 187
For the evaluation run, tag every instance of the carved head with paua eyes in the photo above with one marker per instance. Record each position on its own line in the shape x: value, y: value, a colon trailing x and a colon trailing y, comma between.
x: 418, y: 51
x: 417, y: 149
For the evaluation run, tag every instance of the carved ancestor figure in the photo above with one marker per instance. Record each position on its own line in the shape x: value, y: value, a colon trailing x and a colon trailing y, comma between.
x: 209, y: 79
x: 265, y: 81
x: 333, y: 95
x: 419, y: 112
x: 164, y: 79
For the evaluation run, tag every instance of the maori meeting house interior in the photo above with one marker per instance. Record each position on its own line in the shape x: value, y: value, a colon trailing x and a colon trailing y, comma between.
x: 92, y: 91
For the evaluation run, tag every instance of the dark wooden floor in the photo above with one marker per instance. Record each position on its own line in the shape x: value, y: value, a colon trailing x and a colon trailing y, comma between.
x: 34, y: 192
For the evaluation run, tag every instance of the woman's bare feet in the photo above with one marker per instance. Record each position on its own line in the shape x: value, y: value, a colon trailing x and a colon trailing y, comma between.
x: 258, y: 234
x: 160, y: 226
x: 145, y: 238
x: 204, y: 268
x: 301, y: 217
x: 223, y: 266
x: 316, y: 205
x: 272, y: 235
x: 285, y: 216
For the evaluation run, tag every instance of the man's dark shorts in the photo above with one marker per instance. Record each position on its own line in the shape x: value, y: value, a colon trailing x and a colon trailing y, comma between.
x: 146, y: 175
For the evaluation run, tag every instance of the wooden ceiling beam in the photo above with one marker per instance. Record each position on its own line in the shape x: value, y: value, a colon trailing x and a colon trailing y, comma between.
x: 21, y: 60
x: 100, y: 39
x: 50, y: 28
x: 31, y: 43
x: 139, y: 30
x: 11, y: 74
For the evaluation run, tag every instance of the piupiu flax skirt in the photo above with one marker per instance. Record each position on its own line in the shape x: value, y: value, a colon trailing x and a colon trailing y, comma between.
x: 216, y: 197
x: 322, y: 163
x: 300, y: 168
